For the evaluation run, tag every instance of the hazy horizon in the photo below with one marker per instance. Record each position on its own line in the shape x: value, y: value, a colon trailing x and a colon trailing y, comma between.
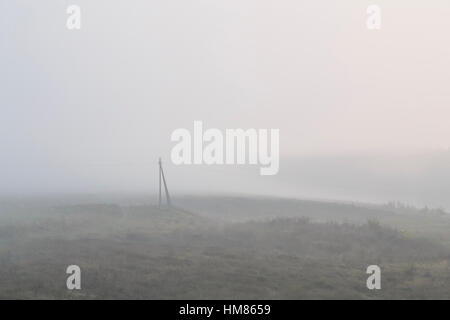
x: 363, y: 115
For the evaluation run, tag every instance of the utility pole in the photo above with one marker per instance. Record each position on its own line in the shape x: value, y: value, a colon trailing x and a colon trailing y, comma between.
x: 162, y: 177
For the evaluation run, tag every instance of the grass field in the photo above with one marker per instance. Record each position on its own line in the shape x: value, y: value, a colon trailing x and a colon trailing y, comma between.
x: 222, y: 248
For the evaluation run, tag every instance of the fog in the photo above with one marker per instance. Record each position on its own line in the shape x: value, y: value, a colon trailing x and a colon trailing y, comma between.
x: 363, y: 115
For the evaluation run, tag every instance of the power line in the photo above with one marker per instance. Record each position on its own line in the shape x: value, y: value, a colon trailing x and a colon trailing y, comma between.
x: 162, y: 177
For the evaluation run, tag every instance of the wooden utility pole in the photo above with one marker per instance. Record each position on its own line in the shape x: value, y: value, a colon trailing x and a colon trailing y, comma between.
x: 162, y: 177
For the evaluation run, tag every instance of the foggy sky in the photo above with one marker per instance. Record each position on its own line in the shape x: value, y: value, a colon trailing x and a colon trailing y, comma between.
x: 91, y: 110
